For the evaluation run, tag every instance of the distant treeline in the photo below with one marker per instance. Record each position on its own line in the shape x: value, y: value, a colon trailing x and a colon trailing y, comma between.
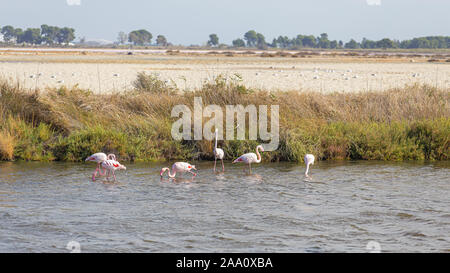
x: 141, y: 37
x: 50, y: 35
x: 254, y: 39
x: 44, y: 35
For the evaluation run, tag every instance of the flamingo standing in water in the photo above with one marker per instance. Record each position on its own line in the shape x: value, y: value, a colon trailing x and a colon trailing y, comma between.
x: 251, y: 158
x: 99, y: 158
x: 218, y: 154
x: 111, y: 166
x: 179, y: 167
x: 309, y: 160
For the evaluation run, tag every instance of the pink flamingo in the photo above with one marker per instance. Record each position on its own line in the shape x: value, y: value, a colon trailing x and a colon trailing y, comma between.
x: 99, y: 158
x: 218, y: 154
x: 179, y: 167
x: 309, y: 160
x: 111, y: 166
x: 250, y: 158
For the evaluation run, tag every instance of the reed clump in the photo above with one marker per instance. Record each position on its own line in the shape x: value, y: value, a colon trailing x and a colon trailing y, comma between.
x: 7, y: 144
x: 68, y: 124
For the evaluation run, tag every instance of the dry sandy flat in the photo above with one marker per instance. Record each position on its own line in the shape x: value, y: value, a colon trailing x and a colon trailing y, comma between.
x: 116, y: 72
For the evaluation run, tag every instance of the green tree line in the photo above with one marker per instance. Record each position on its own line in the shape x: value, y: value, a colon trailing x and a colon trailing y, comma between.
x: 51, y: 35
x: 253, y: 39
x: 44, y: 35
x: 141, y: 37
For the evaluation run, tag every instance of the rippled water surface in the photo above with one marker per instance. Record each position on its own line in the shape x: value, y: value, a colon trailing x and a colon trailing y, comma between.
x: 405, y: 207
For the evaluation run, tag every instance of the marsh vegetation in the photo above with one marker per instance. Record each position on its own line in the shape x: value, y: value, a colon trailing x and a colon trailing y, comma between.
x: 68, y: 124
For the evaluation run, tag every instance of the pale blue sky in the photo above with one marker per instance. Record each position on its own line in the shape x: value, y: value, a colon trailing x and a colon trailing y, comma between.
x: 191, y: 21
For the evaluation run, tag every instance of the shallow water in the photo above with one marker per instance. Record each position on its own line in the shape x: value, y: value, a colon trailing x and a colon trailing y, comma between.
x: 405, y: 207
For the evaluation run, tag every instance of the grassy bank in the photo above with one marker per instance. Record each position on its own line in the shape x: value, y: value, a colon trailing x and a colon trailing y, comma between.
x: 68, y: 124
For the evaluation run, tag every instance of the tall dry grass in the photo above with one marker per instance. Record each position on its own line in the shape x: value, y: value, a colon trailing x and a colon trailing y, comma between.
x: 7, y: 144
x: 70, y: 123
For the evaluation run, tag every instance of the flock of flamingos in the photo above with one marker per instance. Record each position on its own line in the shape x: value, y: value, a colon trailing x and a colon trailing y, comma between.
x: 107, y: 164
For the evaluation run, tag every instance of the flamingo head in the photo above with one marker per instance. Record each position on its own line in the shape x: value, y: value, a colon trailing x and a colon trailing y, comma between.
x: 91, y: 158
x: 163, y: 170
x: 261, y: 148
x: 122, y: 167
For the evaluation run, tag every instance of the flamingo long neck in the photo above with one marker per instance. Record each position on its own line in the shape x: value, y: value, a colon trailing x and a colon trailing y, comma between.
x: 258, y: 154
x: 215, y: 145
x: 307, y: 168
x: 169, y: 172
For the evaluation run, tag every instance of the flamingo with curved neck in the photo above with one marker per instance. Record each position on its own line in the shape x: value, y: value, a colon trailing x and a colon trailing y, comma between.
x: 163, y: 170
x: 99, y: 158
x: 179, y: 167
x: 251, y: 158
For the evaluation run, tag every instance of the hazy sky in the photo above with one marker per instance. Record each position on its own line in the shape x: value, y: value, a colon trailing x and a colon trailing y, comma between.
x: 191, y: 21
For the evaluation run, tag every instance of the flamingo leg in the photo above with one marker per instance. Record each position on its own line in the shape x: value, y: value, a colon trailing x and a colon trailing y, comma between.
x: 223, y: 166
x: 94, y: 174
x: 114, y: 174
x: 250, y: 167
x: 100, y: 171
x: 215, y: 161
